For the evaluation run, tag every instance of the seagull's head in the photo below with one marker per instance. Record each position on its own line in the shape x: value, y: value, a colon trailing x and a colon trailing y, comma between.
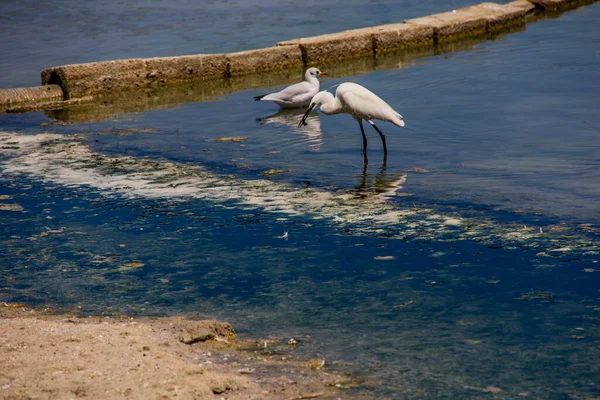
x: 320, y: 98
x: 315, y: 72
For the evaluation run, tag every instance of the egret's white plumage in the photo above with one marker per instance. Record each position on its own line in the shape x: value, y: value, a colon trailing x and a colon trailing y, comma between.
x: 361, y: 103
x: 298, y: 95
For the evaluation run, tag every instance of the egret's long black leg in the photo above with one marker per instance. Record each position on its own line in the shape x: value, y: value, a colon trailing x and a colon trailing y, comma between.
x: 380, y: 134
x: 362, y: 130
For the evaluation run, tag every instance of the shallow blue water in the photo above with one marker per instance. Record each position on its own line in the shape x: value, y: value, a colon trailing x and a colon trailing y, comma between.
x: 508, y: 131
x: 441, y: 319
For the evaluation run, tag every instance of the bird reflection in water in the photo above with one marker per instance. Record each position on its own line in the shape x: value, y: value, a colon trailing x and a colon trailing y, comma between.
x: 382, y: 184
x: 290, y: 117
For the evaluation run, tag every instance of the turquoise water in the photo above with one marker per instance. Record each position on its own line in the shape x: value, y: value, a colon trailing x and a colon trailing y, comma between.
x: 487, y: 307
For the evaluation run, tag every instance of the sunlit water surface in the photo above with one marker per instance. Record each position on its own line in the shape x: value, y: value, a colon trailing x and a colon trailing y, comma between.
x: 508, y: 131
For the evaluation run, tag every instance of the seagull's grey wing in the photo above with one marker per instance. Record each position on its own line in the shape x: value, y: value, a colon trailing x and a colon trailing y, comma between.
x: 294, y: 94
x: 303, y: 98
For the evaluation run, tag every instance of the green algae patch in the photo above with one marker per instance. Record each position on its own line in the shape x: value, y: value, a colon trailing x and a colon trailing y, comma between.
x: 130, y: 131
x: 274, y: 172
x: 539, y: 296
x: 235, y: 139
x: 130, y: 266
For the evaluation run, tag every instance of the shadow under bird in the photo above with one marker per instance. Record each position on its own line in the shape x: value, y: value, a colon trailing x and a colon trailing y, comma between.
x: 298, y: 95
x: 361, y: 103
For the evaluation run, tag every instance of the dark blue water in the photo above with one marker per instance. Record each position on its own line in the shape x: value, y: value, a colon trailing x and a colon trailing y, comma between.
x: 509, y: 133
x: 441, y: 319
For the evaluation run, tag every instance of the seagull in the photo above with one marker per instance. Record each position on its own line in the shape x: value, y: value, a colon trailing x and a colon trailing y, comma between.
x: 361, y: 103
x: 298, y: 95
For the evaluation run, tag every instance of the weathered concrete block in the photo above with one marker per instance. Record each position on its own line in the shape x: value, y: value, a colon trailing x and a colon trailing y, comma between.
x: 387, y: 38
x: 523, y: 5
x: 262, y: 60
x: 334, y: 46
x: 557, y: 5
x: 454, y: 25
x: 498, y: 16
x: 200, y: 67
x: 29, y: 94
x: 78, y: 80
x: 48, y: 106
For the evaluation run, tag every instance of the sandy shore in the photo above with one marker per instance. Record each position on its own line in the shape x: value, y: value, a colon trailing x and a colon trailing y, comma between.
x: 61, y: 357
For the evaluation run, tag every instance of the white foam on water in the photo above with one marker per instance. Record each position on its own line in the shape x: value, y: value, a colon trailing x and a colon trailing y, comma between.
x: 67, y: 160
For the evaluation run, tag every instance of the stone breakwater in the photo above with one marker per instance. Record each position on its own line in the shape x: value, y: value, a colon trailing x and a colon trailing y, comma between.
x: 79, y: 80
x: 35, y: 93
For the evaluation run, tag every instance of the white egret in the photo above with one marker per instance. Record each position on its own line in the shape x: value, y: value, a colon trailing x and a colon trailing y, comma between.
x: 298, y: 95
x: 359, y: 102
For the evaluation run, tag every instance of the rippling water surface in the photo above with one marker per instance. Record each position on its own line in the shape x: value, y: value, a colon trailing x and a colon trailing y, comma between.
x: 506, y: 132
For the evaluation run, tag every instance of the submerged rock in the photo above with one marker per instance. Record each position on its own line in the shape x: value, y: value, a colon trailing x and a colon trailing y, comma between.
x: 191, y: 332
x: 11, y: 207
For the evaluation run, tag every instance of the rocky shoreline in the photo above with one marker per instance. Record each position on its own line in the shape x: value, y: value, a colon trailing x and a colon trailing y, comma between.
x: 65, y: 357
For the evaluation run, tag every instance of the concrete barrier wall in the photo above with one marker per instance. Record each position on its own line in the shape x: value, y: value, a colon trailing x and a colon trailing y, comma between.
x: 395, y: 37
x: 560, y: 5
x: 334, y: 46
x: 474, y: 20
x: 29, y: 94
x: 79, y: 80
x: 84, y: 79
x: 263, y: 60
